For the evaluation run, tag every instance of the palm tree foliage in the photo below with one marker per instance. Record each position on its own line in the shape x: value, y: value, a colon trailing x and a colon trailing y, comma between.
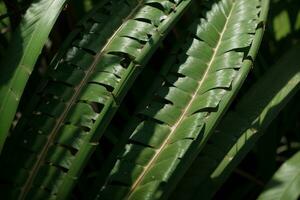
x: 149, y: 99
x: 254, y: 112
x: 193, y: 89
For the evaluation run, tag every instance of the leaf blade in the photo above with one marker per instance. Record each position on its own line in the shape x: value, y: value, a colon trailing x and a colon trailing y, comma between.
x: 168, y: 114
x: 286, y: 181
x: 34, y: 29
x: 230, y: 144
x: 104, y: 59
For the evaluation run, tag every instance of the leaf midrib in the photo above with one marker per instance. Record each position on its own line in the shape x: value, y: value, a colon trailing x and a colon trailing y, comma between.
x: 40, y: 158
x: 184, y: 114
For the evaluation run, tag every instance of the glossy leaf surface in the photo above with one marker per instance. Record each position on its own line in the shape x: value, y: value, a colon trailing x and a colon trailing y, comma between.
x: 240, y: 129
x: 88, y: 79
x: 176, y: 117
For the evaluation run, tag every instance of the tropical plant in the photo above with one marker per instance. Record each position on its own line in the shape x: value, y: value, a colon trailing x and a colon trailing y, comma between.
x: 149, y: 99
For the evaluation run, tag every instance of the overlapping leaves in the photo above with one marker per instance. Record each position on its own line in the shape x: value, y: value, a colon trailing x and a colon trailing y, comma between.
x: 202, y: 74
x: 85, y: 85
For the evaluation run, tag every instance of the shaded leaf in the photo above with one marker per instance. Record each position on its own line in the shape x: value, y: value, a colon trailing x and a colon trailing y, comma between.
x: 285, y: 183
x: 26, y: 46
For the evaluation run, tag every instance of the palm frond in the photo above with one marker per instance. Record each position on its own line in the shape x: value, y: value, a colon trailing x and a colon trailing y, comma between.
x: 87, y: 81
x: 178, y: 121
x: 241, y: 128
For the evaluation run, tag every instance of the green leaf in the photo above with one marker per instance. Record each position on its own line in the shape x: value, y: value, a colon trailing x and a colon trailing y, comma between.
x: 285, y: 183
x: 173, y: 127
x: 86, y: 83
x: 26, y: 46
x: 241, y: 128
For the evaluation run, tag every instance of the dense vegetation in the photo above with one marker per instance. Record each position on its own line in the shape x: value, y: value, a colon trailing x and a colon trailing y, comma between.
x: 149, y: 99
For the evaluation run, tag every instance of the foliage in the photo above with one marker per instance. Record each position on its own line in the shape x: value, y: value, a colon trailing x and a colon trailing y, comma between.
x: 27, y: 43
x: 253, y: 114
x: 286, y: 181
x: 149, y: 99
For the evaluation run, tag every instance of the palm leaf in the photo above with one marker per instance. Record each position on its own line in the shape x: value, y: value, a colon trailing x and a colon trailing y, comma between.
x: 118, y: 136
x: 88, y: 80
x: 22, y: 55
x: 285, y: 183
x: 241, y: 128
x: 180, y: 117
